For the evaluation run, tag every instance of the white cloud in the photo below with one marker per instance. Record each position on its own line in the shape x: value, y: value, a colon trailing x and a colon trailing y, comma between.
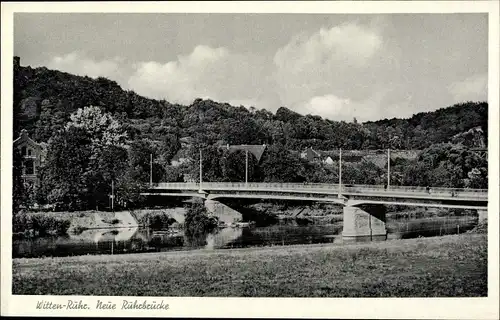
x: 474, y: 88
x: 330, y: 106
x: 338, y: 60
x: 301, y: 75
x: 348, y: 43
x: 338, y: 108
x: 214, y: 73
x: 77, y: 63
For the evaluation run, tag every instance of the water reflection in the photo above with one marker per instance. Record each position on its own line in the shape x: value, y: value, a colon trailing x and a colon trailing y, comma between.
x: 223, y: 237
x: 130, y: 240
x: 428, y: 227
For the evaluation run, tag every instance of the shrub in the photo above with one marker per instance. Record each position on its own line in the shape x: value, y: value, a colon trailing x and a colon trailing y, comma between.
x: 157, y: 220
x: 79, y: 229
x: 112, y: 221
x: 198, y: 222
x: 41, y: 224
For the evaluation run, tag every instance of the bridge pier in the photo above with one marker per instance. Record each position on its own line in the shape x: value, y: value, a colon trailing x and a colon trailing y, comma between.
x: 225, y: 213
x: 366, y: 223
x: 482, y: 214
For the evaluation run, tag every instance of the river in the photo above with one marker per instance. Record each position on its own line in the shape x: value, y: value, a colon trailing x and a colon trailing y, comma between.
x: 135, y: 240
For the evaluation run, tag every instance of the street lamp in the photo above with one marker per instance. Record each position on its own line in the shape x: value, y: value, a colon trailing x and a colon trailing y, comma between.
x: 151, y: 170
x: 388, y: 168
x: 340, y: 173
x: 112, y: 196
x: 246, y: 167
x: 201, y: 170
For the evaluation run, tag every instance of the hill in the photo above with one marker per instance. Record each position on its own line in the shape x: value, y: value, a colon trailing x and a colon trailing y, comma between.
x: 125, y: 140
x: 44, y: 100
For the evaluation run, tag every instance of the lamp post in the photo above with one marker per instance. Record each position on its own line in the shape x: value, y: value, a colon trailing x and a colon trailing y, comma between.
x: 150, y: 169
x: 246, y: 167
x: 388, y: 168
x: 112, y: 195
x: 201, y: 169
x: 340, y: 173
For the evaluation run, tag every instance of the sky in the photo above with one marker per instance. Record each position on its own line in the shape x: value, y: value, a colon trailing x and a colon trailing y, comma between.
x: 338, y: 66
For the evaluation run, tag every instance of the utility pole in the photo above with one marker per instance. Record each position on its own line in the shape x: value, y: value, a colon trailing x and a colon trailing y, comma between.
x: 112, y: 195
x: 150, y: 169
x: 201, y: 170
x: 246, y: 167
x: 340, y: 172
x: 388, y: 168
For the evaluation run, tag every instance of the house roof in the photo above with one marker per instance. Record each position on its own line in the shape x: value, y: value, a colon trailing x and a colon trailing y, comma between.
x: 24, y: 138
x: 256, y: 149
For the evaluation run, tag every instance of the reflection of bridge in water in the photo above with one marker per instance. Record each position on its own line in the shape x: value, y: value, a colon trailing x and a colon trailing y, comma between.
x: 364, y: 205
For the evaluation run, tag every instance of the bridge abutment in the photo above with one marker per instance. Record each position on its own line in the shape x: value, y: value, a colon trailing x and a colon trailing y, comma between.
x: 364, y: 223
x: 225, y: 213
x: 482, y: 215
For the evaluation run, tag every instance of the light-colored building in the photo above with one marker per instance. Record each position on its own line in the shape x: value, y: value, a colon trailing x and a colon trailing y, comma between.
x: 32, y: 154
x: 311, y: 155
x: 328, y: 161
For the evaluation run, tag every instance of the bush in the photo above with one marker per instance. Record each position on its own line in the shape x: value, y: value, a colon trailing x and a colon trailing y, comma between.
x: 39, y: 224
x: 198, y: 222
x: 157, y: 220
x: 79, y: 229
x: 112, y: 221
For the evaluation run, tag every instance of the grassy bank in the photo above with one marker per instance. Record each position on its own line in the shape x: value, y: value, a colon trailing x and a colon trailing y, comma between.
x: 28, y: 224
x: 426, y: 267
x: 33, y: 224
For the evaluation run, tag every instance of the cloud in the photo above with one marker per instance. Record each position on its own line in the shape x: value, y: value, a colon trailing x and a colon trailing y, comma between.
x: 308, y: 74
x: 474, y: 88
x: 77, y: 63
x: 215, y: 73
x: 348, y: 43
x: 330, y: 106
x: 334, y: 62
x: 345, y: 109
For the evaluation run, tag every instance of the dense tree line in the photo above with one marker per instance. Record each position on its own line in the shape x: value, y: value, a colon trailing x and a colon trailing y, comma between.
x: 44, y: 99
x: 101, y: 137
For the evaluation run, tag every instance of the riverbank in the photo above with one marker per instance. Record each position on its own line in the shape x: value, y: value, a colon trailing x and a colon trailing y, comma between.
x: 448, y: 266
x: 32, y: 224
x: 323, y: 213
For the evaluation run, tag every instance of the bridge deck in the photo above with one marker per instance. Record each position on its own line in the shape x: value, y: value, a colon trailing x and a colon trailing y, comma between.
x: 454, y: 194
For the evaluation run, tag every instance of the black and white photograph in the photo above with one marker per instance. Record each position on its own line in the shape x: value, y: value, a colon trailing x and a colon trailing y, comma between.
x: 212, y: 154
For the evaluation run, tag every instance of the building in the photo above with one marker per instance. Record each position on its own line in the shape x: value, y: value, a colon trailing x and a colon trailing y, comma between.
x: 32, y: 156
x: 328, y: 161
x: 311, y: 155
x: 181, y: 157
x: 256, y: 149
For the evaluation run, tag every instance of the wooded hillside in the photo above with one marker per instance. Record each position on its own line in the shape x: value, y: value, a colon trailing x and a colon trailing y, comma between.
x: 44, y: 100
x: 98, y: 135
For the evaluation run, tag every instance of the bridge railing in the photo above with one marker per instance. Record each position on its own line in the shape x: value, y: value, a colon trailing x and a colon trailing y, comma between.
x: 412, y: 189
x: 470, y: 194
x: 347, y: 188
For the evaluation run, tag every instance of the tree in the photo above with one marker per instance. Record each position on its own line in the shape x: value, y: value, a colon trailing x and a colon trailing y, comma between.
x: 65, y: 175
x: 233, y: 166
x: 198, y: 224
x: 101, y: 127
x: 279, y: 165
x: 140, y: 153
x: 19, y: 196
x: 84, y: 160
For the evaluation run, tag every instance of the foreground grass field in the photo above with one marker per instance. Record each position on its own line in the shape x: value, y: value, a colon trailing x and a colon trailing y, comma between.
x: 426, y: 267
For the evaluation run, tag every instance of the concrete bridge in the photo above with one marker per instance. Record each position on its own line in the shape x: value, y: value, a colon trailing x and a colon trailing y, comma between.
x: 364, y: 205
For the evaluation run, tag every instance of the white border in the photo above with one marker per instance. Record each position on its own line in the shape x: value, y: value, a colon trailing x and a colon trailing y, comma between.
x: 397, y: 308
